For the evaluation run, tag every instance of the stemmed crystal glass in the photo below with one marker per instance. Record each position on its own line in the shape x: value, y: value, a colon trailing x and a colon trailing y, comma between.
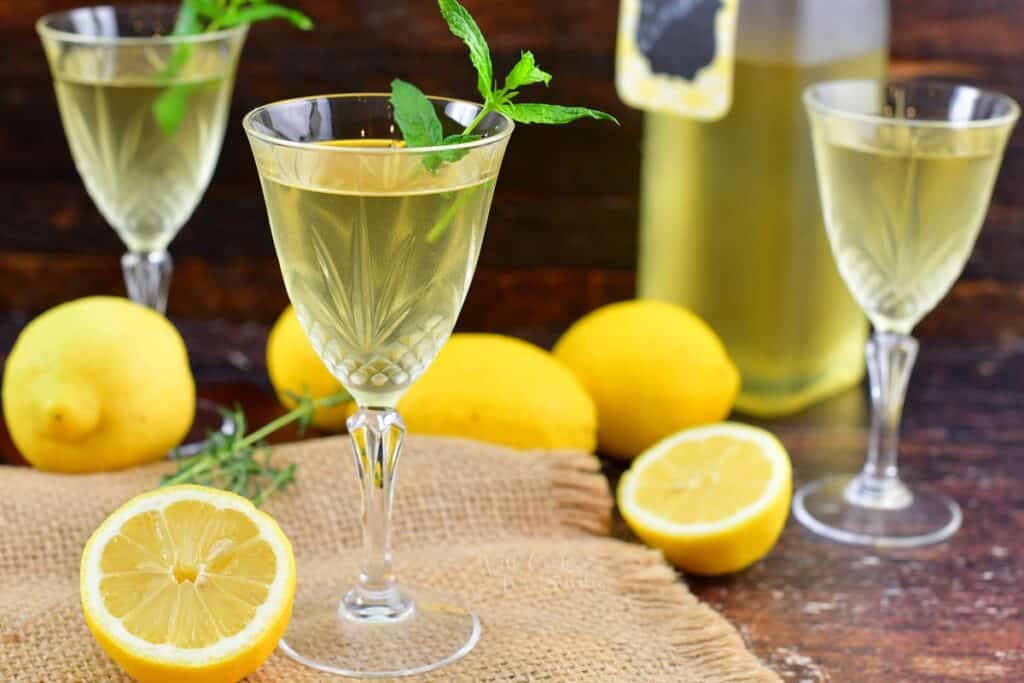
x: 906, y: 173
x: 377, y: 244
x: 144, y: 113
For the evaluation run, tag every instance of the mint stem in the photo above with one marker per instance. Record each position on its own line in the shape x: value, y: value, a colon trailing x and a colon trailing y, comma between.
x: 449, y: 214
x: 484, y: 111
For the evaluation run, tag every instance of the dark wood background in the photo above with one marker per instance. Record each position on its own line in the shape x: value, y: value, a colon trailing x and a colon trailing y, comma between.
x: 562, y: 236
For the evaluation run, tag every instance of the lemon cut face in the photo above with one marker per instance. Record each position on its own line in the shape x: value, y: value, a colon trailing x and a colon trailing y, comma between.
x: 713, y: 499
x: 188, y: 581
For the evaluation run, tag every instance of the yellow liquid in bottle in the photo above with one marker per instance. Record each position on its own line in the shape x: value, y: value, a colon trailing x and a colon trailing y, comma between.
x: 731, y: 227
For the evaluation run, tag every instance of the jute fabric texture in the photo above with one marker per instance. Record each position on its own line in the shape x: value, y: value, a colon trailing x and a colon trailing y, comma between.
x: 519, y: 536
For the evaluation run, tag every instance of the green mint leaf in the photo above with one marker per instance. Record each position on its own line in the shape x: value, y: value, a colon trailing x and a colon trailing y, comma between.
x: 462, y: 25
x: 453, y: 155
x: 262, y: 12
x: 208, y: 9
x: 170, y: 106
x: 551, y: 113
x: 177, y: 61
x: 415, y: 115
x: 433, y: 160
x: 187, y: 22
x: 525, y: 72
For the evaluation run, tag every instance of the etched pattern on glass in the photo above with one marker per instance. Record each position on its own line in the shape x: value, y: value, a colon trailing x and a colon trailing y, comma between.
x: 144, y: 181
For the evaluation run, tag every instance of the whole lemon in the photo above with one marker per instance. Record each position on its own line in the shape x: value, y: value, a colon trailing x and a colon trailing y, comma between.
x: 653, y: 368
x: 97, y: 384
x: 503, y: 390
x: 295, y: 368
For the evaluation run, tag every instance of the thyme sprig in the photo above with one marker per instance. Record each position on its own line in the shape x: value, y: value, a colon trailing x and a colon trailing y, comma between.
x: 240, y: 461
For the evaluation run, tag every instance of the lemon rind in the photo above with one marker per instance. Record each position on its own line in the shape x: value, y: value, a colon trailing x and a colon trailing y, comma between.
x: 768, y: 445
x: 224, y: 649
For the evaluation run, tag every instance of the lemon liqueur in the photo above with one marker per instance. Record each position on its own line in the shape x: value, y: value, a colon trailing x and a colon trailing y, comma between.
x: 377, y: 206
x: 144, y: 92
x: 145, y: 180
x: 903, y: 209
x: 378, y: 272
x: 906, y: 173
x: 730, y: 217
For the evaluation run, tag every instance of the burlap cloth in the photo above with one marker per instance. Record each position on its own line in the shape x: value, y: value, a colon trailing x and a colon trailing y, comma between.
x: 516, y: 534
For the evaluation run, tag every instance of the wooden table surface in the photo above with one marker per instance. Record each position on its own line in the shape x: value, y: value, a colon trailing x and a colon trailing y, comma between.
x: 815, y: 610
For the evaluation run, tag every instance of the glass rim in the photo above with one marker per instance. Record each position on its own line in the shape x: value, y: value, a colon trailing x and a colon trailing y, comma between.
x: 247, y: 125
x: 45, y: 30
x: 814, y: 103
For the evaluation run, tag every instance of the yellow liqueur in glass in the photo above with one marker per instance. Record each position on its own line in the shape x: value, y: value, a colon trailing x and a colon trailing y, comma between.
x: 145, y: 182
x: 906, y: 172
x: 377, y: 271
x: 377, y: 246
x: 144, y: 112
x: 904, y: 212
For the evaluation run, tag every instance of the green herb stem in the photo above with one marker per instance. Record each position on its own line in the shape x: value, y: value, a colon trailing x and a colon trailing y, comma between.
x: 418, y: 121
x: 441, y: 225
x: 171, y: 105
x: 197, y: 465
x: 239, y: 462
x: 484, y: 111
x: 293, y: 415
x: 280, y: 480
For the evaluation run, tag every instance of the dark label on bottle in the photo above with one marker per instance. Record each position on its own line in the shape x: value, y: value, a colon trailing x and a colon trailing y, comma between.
x: 677, y: 36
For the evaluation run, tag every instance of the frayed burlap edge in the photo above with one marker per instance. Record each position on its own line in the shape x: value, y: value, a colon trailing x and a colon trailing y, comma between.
x: 586, y: 503
x: 580, y: 500
x: 584, y: 498
x: 694, y: 626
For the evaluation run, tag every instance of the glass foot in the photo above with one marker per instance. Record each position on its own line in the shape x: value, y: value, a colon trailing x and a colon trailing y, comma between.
x: 923, y: 518
x: 325, y: 634
x: 209, y: 418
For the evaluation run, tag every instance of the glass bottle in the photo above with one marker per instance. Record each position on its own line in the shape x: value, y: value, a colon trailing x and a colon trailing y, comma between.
x: 731, y: 225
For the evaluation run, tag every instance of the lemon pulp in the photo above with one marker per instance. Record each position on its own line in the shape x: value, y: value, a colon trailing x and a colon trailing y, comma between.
x: 188, y: 583
x: 714, y: 499
x: 704, y: 481
x: 188, y: 575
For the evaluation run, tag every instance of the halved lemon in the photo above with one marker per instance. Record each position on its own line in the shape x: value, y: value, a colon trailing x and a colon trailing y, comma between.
x: 713, y: 499
x: 188, y: 583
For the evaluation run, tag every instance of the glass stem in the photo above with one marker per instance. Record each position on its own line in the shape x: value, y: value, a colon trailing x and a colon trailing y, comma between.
x: 890, y: 360
x: 377, y: 436
x: 147, y: 276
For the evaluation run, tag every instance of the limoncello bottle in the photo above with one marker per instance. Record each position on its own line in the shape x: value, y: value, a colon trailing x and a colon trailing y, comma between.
x: 730, y: 220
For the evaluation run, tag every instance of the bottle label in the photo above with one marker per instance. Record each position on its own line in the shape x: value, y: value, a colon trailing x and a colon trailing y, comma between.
x: 677, y: 56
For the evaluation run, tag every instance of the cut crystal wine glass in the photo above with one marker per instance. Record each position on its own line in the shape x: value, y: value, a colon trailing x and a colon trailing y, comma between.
x: 377, y: 244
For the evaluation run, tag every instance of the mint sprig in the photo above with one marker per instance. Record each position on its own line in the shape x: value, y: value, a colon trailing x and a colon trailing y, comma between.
x: 415, y: 115
x: 525, y: 72
x: 420, y: 126
x: 462, y: 24
x: 418, y: 121
x: 206, y: 16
